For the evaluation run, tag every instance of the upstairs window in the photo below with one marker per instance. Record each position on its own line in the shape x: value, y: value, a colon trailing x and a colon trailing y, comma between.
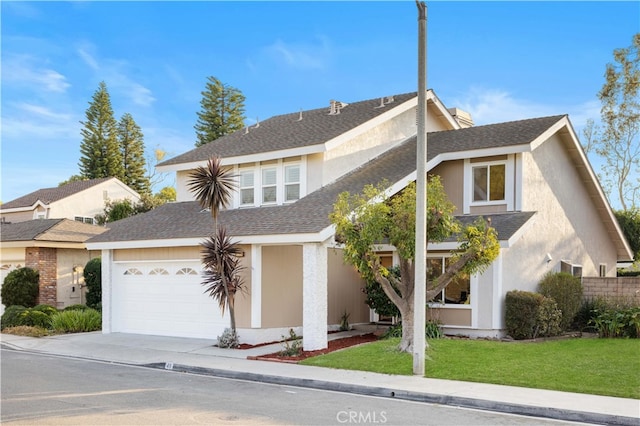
x: 84, y: 219
x: 247, y: 188
x: 291, y: 183
x: 489, y: 183
x: 269, y: 185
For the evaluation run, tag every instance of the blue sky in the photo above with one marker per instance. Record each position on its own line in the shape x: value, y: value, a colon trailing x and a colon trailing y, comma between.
x: 500, y: 61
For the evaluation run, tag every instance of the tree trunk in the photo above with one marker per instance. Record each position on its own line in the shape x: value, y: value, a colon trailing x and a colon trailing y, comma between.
x: 406, y: 312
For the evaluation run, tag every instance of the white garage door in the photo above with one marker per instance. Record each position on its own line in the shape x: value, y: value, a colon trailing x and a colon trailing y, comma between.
x: 165, y: 299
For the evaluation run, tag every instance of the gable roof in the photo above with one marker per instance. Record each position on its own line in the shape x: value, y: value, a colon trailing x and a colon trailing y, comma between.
x: 310, y: 214
x: 52, y: 230
x: 50, y: 195
x: 288, y: 131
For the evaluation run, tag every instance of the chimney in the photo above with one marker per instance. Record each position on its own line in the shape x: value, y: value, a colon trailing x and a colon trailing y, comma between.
x: 462, y: 117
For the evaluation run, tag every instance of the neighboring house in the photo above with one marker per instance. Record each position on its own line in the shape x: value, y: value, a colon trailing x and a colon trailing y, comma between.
x: 54, y: 247
x: 81, y: 201
x: 530, y: 177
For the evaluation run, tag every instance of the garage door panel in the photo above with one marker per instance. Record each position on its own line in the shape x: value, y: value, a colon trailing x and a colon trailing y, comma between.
x: 166, y: 298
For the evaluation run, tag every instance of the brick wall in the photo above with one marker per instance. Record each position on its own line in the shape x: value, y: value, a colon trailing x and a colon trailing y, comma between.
x: 620, y: 287
x: 44, y: 260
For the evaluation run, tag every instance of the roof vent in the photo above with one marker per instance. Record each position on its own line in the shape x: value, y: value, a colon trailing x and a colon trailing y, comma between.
x: 300, y: 117
x: 257, y: 123
x: 246, y: 129
x: 336, y: 106
x: 389, y: 99
x: 381, y: 103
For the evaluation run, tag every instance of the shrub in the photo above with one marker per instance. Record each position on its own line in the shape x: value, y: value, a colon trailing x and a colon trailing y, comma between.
x: 292, y: 344
x: 76, y: 307
x: 621, y: 322
x: 11, y: 316
x: 34, y: 318
x: 378, y: 300
x: 26, y: 330
x: 589, y: 309
x: 530, y: 315
x: 20, y: 287
x: 566, y: 290
x: 93, y: 280
x: 229, y: 339
x: 433, y: 330
x: 76, y: 321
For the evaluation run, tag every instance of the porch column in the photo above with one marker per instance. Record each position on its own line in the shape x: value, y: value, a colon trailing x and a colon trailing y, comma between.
x: 314, y: 296
x: 256, y: 286
x: 107, y: 306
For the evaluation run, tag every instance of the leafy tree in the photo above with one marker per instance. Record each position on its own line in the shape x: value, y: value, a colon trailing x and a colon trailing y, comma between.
x: 93, y: 280
x: 167, y: 194
x: 131, y: 142
x: 619, y: 143
x: 362, y: 224
x: 100, y: 152
x: 629, y: 221
x: 21, y: 287
x: 221, y: 113
x: 213, y: 187
x: 72, y: 178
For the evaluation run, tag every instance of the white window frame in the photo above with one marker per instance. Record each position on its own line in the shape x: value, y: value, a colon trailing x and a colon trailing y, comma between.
x: 85, y: 219
x: 258, y: 185
x: 241, y: 187
x: 263, y: 185
x: 509, y: 177
x: 442, y: 302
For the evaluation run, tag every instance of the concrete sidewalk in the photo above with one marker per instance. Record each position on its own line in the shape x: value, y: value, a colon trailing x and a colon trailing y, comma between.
x: 199, y: 356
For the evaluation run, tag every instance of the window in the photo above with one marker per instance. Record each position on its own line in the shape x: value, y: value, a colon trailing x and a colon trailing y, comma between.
x: 133, y: 271
x: 291, y: 183
x: 603, y: 269
x: 159, y: 271
x: 246, y: 188
x: 569, y: 268
x: 458, y: 291
x: 186, y: 271
x: 269, y: 182
x: 489, y: 183
x: 84, y: 219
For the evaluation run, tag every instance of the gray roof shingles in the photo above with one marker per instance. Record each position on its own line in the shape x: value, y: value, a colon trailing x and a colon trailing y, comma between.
x: 310, y: 214
x: 49, y: 195
x: 288, y: 131
x: 60, y: 230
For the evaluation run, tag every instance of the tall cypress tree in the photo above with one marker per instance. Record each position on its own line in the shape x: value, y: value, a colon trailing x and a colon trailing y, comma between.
x: 99, y: 151
x: 131, y: 141
x: 222, y: 111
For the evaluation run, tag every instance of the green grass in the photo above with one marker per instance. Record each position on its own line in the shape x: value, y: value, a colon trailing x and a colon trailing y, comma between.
x: 594, y: 366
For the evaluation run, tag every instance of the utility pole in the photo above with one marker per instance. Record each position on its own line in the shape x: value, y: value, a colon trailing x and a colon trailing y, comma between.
x: 419, y: 294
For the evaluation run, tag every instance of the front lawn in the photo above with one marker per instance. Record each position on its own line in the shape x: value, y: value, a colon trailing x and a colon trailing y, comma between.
x: 595, y: 366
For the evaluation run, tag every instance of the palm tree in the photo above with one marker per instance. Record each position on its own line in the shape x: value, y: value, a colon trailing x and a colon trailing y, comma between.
x: 221, y: 271
x: 213, y: 187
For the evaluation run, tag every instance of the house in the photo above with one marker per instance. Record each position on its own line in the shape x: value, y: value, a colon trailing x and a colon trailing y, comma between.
x: 79, y: 200
x: 54, y: 247
x: 530, y: 177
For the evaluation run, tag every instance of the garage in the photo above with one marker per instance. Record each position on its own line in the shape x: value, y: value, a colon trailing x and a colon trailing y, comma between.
x: 165, y: 299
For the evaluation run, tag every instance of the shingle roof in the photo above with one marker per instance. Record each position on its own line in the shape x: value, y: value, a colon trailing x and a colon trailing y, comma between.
x: 288, y: 131
x: 59, y: 230
x: 49, y: 195
x: 311, y: 213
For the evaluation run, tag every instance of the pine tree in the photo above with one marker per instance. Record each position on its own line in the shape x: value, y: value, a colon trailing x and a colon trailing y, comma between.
x: 131, y: 142
x: 99, y: 152
x: 222, y: 111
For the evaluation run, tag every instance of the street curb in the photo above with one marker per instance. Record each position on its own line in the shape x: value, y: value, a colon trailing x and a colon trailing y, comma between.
x: 519, y: 409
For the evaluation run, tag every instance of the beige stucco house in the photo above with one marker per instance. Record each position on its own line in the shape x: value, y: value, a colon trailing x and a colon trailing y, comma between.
x: 530, y: 176
x: 81, y: 201
x: 54, y: 247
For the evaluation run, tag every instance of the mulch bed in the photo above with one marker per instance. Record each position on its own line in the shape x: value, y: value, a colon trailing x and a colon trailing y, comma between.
x: 333, y: 345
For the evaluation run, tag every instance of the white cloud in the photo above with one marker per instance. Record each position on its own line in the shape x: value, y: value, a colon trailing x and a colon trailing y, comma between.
x: 24, y: 70
x: 488, y: 106
x: 114, y: 73
x: 43, y: 112
x: 301, y: 55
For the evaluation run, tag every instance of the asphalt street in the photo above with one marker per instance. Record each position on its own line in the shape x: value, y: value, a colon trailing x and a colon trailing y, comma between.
x: 44, y: 390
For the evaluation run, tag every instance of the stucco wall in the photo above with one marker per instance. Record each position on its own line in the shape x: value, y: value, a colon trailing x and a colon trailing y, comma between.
x: 452, y: 177
x: 344, y: 291
x: 367, y: 146
x: 90, y: 202
x: 69, y: 281
x: 18, y: 216
x: 281, y: 286
x: 566, y: 225
x: 163, y: 253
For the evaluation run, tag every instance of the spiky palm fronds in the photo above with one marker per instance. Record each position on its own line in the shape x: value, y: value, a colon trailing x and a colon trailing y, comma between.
x: 212, y: 185
x: 221, y: 269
